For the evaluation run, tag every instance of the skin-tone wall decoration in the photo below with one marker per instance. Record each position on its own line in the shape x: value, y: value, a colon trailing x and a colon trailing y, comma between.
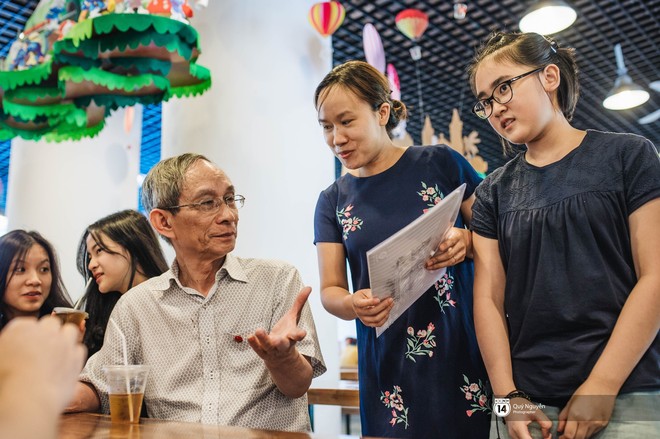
x: 466, y: 145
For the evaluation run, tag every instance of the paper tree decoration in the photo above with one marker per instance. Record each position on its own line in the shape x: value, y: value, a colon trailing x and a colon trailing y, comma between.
x: 78, y: 60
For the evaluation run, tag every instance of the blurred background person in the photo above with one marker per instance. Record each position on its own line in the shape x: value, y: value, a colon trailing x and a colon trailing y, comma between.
x: 30, y: 280
x: 115, y: 254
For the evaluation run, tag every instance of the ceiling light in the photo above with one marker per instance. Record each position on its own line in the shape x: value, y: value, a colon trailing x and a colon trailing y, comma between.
x: 625, y: 94
x: 547, y: 17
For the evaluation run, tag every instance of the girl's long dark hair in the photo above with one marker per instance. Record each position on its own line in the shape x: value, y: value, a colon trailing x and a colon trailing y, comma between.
x: 131, y: 230
x: 16, y: 244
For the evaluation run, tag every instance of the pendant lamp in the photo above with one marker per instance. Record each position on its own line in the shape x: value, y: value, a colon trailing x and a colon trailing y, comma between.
x: 547, y: 17
x: 625, y: 94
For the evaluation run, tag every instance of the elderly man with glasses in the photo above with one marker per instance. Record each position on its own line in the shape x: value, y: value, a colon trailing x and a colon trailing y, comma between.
x: 229, y: 340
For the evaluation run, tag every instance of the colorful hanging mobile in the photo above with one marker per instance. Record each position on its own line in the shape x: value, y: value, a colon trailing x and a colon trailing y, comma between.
x: 413, y: 23
x: 78, y: 60
x: 326, y: 17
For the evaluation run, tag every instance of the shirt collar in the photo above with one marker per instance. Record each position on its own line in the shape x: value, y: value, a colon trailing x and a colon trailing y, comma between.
x: 231, y: 267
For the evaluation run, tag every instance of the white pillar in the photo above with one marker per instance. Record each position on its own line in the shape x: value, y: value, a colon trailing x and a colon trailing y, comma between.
x: 258, y: 123
x: 58, y: 189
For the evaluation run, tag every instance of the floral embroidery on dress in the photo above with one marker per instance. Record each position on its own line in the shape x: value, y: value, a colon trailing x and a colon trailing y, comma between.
x: 443, y: 286
x: 475, y: 393
x: 348, y: 224
x: 394, y: 400
x: 430, y: 195
x: 421, y: 343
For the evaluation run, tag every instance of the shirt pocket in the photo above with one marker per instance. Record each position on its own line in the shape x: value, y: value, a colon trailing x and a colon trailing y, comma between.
x: 242, y: 368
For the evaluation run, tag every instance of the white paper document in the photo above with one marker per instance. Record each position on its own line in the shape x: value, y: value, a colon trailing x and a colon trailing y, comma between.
x: 396, y: 265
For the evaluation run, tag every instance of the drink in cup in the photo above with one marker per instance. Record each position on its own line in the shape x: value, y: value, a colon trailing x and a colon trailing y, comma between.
x: 70, y: 315
x: 126, y: 390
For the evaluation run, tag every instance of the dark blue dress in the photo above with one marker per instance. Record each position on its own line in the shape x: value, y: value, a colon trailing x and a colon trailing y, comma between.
x: 423, y: 377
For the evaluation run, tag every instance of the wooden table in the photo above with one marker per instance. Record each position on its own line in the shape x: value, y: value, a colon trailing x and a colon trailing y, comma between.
x: 347, y: 396
x: 335, y: 396
x: 95, y: 426
x: 348, y: 373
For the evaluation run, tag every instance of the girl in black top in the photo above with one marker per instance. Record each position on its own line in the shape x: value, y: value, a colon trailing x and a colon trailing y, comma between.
x: 566, y: 249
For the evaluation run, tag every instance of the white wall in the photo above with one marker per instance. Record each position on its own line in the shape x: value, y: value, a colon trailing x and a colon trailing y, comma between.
x: 58, y: 189
x: 259, y: 124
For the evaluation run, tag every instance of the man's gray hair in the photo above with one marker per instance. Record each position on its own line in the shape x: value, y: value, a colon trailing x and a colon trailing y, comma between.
x: 163, y: 184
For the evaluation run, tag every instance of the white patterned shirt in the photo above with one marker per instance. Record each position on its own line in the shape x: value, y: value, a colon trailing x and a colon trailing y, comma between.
x: 202, y: 367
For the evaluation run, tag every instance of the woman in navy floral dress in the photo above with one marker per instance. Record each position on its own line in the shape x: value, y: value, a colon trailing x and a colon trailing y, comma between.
x: 423, y: 377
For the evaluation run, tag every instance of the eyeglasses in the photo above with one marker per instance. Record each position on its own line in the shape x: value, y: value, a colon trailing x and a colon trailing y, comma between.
x: 213, y: 205
x: 502, y: 94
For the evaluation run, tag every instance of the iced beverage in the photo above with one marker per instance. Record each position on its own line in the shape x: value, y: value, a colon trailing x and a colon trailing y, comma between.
x: 121, y: 407
x: 126, y: 386
x: 70, y: 315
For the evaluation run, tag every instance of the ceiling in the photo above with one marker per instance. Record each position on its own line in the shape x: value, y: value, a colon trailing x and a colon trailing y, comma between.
x: 448, y: 45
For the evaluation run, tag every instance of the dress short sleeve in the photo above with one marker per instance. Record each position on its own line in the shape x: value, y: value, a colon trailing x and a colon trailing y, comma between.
x: 641, y: 173
x: 484, y: 211
x: 325, y: 222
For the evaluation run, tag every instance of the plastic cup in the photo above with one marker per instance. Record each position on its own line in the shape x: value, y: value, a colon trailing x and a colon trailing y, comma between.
x: 126, y: 390
x: 70, y: 315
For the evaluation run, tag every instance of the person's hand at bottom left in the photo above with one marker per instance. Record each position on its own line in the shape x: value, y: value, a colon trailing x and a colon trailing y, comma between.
x: 41, y: 360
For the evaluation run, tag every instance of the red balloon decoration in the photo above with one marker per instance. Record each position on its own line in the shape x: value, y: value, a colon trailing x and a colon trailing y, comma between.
x: 326, y: 17
x: 412, y: 23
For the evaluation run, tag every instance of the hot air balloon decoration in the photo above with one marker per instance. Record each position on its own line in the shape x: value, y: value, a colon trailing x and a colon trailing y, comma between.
x: 413, y: 23
x: 326, y: 17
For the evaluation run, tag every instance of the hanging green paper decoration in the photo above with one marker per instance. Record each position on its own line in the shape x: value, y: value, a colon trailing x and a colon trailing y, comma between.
x: 78, y: 60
